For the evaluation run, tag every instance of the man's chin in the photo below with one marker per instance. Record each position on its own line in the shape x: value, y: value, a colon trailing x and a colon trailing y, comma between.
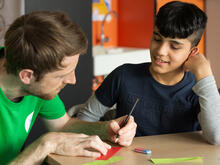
x: 47, y: 97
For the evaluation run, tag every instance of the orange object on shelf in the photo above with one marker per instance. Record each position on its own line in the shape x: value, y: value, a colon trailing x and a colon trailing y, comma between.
x: 96, y: 82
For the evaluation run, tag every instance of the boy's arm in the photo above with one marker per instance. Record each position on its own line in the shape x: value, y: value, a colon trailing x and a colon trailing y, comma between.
x: 209, y: 98
x: 209, y: 115
x: 92, y: 110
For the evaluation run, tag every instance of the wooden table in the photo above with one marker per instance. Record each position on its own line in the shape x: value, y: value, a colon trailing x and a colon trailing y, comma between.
x: 162, y: 146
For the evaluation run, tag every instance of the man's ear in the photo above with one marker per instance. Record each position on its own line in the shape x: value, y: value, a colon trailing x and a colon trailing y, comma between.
x: 194, y: 51
x: 26, y: 75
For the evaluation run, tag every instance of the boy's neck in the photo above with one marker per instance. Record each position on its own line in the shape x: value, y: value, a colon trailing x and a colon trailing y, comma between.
x: 171, y: 78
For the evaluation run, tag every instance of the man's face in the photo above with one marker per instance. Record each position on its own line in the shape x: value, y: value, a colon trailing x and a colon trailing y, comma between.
x: 51, y: 83
x: 168, y: 54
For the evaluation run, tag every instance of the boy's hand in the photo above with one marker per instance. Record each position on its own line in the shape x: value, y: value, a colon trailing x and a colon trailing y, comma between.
x: 198, y: 65
x: 126, y: 133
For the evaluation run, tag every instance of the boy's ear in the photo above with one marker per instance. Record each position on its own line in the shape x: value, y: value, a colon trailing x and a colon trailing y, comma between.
x: 194, y: 51
x: 26, y: 75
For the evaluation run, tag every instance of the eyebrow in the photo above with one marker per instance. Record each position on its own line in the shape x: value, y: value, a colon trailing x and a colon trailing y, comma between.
x: 176, y: 42
x: 173, y: 41
x: 70, y: 71
x: 67, y: 73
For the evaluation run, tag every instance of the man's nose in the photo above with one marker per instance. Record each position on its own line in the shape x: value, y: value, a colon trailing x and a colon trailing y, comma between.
x: 70, y: 79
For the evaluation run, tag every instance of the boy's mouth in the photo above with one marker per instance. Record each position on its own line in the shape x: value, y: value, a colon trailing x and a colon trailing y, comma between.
x: 160, y: 61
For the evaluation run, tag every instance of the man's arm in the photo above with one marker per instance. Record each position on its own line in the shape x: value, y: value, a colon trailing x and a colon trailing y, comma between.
x: 68, y: 144
x: 107, y: 130
x: 62, y: 143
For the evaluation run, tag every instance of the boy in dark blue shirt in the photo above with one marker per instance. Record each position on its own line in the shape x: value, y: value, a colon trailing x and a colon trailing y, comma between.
x: 177, y: 91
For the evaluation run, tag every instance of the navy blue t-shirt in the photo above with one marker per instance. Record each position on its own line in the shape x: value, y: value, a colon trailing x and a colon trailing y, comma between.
x: 161, y: 109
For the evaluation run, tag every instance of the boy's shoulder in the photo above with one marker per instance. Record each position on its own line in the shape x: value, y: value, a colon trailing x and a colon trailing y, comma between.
x: 133, y: 67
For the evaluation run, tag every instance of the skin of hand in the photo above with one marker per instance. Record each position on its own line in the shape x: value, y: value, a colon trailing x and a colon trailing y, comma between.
x: 126, y: 133
x: 71, y: 144
x: 198, y: 65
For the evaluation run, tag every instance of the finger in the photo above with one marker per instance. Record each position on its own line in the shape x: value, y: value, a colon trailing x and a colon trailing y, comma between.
x: 78, y: 135
x: 129, y: 126
x: 96, y: 143
x: 114, y: 126
x: 127, y: 137
x: 125, y: 143
x: 89, y: 153
x: 128, y: 129
x: 107, y: 145
x: 120, y: 120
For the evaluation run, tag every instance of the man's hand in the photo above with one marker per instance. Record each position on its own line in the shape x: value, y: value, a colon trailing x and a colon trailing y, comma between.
x: 61, y: 143
x: 126, y: 133
x: 71, y: 144
x: 198, y: 65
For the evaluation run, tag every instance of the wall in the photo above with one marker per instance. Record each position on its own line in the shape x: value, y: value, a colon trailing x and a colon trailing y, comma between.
x: 135, y: 23
x: 9, y: 11
x: 213, y: 37
x: 110, y: 28
x: 133, y: 26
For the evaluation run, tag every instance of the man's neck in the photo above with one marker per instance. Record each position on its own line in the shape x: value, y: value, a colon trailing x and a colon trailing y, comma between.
x: 10, y: 87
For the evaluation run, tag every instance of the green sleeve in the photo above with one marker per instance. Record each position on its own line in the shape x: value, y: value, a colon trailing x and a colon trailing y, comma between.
x: 52, y: 109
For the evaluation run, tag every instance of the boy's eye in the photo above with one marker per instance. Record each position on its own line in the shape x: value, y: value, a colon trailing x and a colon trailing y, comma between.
x: 156, y: 38
x: 174, y: 47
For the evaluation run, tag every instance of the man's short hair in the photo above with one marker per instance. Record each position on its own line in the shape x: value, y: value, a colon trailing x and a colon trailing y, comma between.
x: 180, y: 20
x: 40, y: 40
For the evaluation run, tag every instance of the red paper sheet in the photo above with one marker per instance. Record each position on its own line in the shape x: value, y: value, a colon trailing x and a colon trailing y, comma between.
x: 109, y: 154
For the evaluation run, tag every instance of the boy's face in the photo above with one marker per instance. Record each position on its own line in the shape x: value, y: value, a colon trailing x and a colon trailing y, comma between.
x: 51, y: 83
x: 168, y: 54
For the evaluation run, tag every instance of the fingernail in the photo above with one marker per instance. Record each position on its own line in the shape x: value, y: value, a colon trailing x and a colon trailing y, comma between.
x: 116, y: 140
x: 97, y: 155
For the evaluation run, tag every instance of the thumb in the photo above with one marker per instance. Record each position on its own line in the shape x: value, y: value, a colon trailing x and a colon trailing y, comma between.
x: 114, y: 127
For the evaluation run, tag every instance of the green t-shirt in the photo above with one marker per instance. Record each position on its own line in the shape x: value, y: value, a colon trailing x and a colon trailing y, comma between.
x: 17, y: 119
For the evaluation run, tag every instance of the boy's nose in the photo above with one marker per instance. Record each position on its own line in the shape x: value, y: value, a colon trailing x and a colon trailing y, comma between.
x: 163, y: 49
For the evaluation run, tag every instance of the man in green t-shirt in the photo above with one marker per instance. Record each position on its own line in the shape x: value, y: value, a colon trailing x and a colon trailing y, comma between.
x: 39, y: 58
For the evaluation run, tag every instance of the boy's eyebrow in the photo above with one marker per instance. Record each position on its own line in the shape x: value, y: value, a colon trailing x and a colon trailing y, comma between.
x: 176, y: 42
x: 172, y: 40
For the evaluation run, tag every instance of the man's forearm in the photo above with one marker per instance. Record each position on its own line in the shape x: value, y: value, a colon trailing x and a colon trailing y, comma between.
x: 90, y: 128
x: 34, y: 153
